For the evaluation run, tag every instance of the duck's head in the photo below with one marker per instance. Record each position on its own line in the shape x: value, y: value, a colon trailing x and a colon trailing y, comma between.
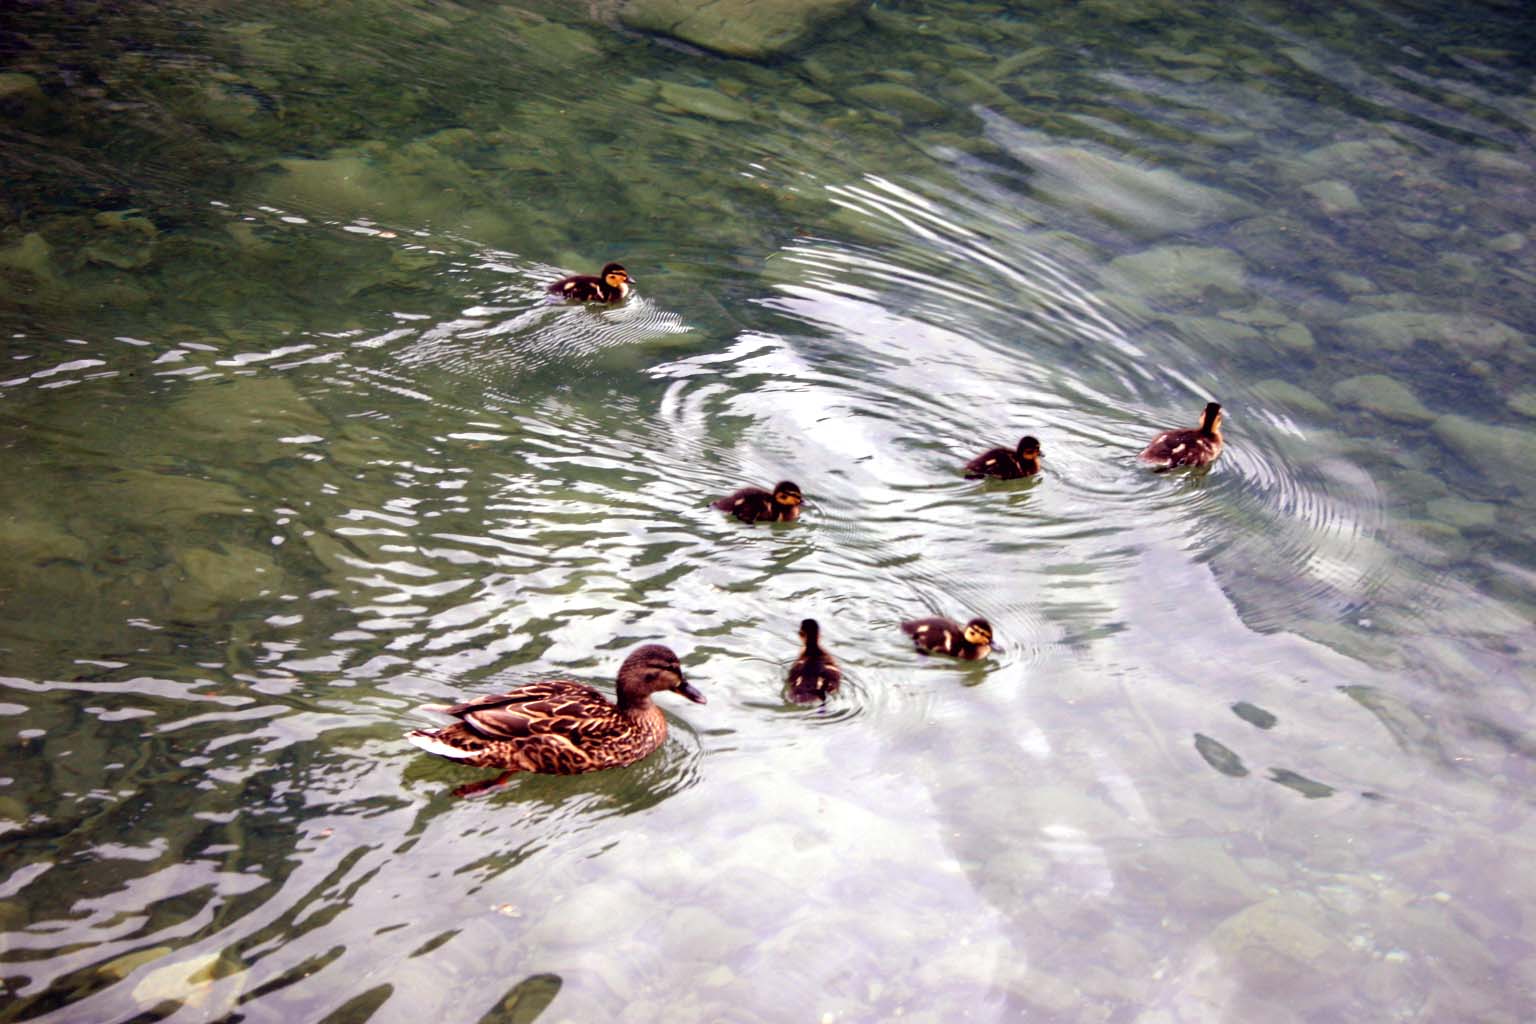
x: 786, y: 492
x: 615, y: 276
x: 1029, y: 447
x: 810, y: 632
x: 652, y: 668
x: 978, y: 632
x: 1210, y: 419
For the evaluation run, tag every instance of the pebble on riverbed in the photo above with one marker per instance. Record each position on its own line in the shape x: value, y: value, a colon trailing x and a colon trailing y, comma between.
x: 741, y: 28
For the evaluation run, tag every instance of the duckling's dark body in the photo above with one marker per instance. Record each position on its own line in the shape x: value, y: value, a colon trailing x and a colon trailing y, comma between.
x: 1195, y: 446
x: 815, y: 675
x: 610, y: 286
x: 562, y: 727
x: 1006, y: 463
x: 753, y: 504
x: 939, y: 635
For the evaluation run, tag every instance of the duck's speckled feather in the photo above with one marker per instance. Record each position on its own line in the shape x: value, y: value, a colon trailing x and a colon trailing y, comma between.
x: 557, y: 727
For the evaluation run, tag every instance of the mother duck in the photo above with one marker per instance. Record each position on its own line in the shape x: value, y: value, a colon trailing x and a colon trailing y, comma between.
x: 561, y: 727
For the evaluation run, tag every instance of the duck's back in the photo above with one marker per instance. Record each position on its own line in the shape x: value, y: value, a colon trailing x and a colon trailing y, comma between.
x: 999, y: 462
x: 1174, y: 448
x: 557, y: 727
x: 813, y: 677
x: 748, y: 504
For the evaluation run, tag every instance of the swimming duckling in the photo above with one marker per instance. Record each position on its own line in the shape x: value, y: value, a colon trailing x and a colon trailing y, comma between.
x: 612, y: 285
x: 1196, y: 446
x: 751, y: 504
x: 945, y: 636
x: 561, y: 727
x: 815, y: 675
x: 1005, y: 464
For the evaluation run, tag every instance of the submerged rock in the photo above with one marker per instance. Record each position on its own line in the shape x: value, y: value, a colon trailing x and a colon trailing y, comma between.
x: 1177, y: 271
x: 1506, y: 453
x: 1154, y: 201
x: 1335, y: 197
x: 1283, y: 392
x: 1383, y: 396
x: 32, y: 254
x: 1398, y: 329
x: 1460, y: 513
x: 902, y: 100
x: 741, y: 28
x: 193, y: 983
x: 1219, y: 756
x: 1524, y: 403
x: 704, y: 102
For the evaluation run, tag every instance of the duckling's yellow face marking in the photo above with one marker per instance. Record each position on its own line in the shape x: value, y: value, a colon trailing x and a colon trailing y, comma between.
x: 617, y: 279
x: 978, y: 636
x: 787, y: 497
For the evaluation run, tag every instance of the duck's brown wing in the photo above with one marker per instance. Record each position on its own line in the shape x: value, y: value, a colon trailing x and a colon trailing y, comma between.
x: 556, y: 707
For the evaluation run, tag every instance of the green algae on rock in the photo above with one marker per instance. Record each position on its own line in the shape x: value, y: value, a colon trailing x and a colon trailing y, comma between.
x: 707, y: 103
x: 1152, y: 201
x: 1178, y: 272
x: 740, y: 28
x: 1384, y: 396
x: 1398, y: 329
x: 1506, y: 454
x: 1283, y: 392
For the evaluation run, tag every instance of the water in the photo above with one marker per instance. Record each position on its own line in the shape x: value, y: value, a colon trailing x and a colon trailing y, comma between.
x: 293, y: 443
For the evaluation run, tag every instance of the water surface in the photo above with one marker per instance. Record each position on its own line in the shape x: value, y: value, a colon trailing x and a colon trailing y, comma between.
x: 293, y: 443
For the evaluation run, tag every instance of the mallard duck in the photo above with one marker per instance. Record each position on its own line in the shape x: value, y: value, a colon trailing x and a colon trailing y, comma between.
x: 938, y: 635
x: 560, y: 727
x: 612, y: 285
x: 1005, y: 464
x: 815, y: 675
x: 750, y: 504
x: 1194, y: 446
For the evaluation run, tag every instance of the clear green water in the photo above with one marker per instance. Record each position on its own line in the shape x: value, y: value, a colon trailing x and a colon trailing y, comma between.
x: 292, y: 444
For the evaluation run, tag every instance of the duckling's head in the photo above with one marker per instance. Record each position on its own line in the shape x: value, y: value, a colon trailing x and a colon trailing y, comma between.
x: 1210, y: 419
x: 978, y: 632
x: 810, y: 632
x: 652, y: 668
x: 787, y: 493
x: 615, y: 276
x: 1029, y: 447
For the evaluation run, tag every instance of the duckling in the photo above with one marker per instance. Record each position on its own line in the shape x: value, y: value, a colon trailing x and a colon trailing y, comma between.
x: 946, y: 636
x: 815, y: 675
x: 561, y: 727
x: 1007, y: 465
x: 750, y: 504
x: 611, y: 286
x: 1196, y: 446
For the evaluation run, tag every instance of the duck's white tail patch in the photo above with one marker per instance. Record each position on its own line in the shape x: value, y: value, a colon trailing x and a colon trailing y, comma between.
x: 432, y: 745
